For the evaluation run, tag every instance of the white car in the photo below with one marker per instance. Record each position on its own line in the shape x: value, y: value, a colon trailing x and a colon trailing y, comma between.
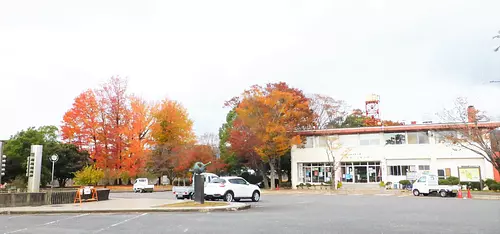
x: 142, y: 185
x: 232, y: 189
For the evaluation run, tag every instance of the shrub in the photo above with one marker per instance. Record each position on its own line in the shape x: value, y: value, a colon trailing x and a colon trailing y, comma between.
x: 443, y: 182
x: 472, y: 185
x: 382, y: 184
x: 89, y: 175
x: 339, y: 184
x: 452, y: 180
x: 489, y: 182
x: 494, y: 187
x: 404, y: 182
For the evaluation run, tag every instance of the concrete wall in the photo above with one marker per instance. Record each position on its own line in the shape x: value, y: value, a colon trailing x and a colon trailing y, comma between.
x: 44, y: 198
x: 438, y: 156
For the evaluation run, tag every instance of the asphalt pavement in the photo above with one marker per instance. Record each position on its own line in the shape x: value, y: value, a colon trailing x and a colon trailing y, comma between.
x: 290, y: 213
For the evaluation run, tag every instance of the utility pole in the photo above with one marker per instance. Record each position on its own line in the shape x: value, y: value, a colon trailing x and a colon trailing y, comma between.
x: 3, y: 160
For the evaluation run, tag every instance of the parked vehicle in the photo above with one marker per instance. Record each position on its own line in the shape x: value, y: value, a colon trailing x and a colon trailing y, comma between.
x: 142, y: 185
x: 186, y: 192
x: 429, y: 184
x: 232, y: 189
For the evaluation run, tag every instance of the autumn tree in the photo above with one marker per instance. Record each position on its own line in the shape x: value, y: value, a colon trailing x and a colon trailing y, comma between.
x: 115, y: 110
x: 273, y: 113
x: 112, y: 126
x: 198, y: 153
x: 243, y: 142
x: 171, y: 132
x: 82, y: 125
x: 328, y: 111
x: 138, y: 135
x: 470, y: 131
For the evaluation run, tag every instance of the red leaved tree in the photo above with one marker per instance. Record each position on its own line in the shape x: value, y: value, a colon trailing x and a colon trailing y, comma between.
x: 273, y: 114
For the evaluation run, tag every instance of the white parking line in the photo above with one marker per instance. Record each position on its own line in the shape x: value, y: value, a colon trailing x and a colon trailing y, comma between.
x: 52, y: 222
x: 119, y: 223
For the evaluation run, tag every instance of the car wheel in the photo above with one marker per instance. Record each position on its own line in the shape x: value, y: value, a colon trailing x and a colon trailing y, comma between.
x: 443, y: 193
x: 416, y: 192
x: 229, y: 196
x: 255, y: 196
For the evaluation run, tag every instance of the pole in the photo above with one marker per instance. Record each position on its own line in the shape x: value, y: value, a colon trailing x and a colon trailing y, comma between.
x: 52, y: 181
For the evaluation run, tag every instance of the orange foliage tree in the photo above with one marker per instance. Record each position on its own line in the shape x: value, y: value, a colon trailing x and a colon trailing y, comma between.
x: 273, y: 114
x: 171, y: 132
x: 112, y: 126
x: 198, y: 153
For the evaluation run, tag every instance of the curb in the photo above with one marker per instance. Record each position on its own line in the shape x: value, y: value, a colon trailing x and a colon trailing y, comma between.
x: 148, y: 210
x: 126, y: 191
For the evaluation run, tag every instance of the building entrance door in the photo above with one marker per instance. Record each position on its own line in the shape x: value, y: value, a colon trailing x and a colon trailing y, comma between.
x: 361, y: 174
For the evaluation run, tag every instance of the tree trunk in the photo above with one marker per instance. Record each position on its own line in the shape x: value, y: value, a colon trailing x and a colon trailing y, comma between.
x: 62, y: 183
x: 280, y: 174
x: 272, y: 167
x: 334, y: 179
x: 263, y: 173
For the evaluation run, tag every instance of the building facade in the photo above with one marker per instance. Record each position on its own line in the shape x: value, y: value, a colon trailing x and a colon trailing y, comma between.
x: 390, y: 154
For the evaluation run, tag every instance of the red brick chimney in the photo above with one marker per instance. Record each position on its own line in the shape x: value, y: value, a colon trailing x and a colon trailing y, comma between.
x: 471, y: 114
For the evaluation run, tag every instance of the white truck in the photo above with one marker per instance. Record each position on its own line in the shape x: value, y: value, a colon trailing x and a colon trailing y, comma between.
x: 141, y: 185
x: 187, y: 192
x: 429, y: 184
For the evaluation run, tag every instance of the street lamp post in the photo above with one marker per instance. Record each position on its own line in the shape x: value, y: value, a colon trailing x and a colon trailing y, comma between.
x: 53, y: 159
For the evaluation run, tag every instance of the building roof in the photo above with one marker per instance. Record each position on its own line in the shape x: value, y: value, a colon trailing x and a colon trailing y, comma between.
x: 402, y: 128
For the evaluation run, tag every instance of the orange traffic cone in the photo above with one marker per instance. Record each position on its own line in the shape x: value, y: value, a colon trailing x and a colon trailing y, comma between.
x: 469, y: 196
x: 459, y: 195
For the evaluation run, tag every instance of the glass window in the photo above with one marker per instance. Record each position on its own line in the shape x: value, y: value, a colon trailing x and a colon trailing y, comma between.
x: 369, y: 139
x: 322, y: 141
x: 219, y: 181
x: 412, y: 138
x: 349, y: 140
x: 441, y: 174
x: 424, y: 167
x: 423, y: 137
x: 444, y: 136
x: 422, y: 179
x: 308, y: 143
x: 398, y: 170
x: 418, y: 138
x: 395, y: 138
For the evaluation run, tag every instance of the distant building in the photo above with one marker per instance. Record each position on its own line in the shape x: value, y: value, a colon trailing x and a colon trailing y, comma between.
x: 384, y: 154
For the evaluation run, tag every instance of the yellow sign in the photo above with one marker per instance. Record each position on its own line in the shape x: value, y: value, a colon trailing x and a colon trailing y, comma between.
x: 469, y: 174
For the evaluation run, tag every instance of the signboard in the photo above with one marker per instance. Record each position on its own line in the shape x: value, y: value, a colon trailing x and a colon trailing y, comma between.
x: 469, y: 174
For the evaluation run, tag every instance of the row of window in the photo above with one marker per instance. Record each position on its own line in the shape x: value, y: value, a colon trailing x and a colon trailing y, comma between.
x: 382, y: 139
x: 401, y: 170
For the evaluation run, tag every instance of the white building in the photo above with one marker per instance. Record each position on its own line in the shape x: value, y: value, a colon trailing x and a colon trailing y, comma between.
x: 386, y: 154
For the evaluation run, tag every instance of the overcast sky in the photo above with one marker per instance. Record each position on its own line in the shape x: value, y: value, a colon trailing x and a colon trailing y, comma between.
x: 417, y: 56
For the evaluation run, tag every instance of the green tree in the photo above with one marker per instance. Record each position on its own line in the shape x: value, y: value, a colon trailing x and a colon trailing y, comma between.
x: 18, y: 148
x: 70, y: 161
x: 228, y: 156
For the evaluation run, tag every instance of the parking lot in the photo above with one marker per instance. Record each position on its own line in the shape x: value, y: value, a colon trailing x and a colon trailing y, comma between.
x: 277, y: 213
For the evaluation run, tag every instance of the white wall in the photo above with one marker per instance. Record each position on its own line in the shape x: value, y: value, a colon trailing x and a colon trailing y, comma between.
x: 438, y: 156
